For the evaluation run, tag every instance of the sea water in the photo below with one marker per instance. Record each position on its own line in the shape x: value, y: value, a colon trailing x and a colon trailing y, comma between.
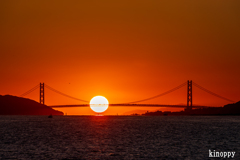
x: 117, y: 137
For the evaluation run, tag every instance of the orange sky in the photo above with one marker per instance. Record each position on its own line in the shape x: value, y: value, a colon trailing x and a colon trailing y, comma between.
x: 122, y: 50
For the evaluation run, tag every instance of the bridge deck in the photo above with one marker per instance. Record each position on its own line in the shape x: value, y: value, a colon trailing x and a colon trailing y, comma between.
x: 129, y: 105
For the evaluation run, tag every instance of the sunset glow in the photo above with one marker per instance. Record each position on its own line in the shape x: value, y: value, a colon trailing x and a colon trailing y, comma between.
x: 119, y: 79
x: 124, y: 50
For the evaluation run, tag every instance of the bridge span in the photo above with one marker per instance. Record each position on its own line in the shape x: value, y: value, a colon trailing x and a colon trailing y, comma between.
x: 188, y: 106
x: 130, y: 105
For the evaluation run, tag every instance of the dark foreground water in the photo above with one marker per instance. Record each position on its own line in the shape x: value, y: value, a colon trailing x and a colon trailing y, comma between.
x: 117, y: 137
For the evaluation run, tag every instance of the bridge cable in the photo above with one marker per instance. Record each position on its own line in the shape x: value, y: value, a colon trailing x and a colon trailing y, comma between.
x: 31, y: 90
x: 54, y: 90
x: 212, y: 93
x: 162, y: 94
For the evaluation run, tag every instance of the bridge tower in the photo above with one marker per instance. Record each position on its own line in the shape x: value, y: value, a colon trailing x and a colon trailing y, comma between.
x: 189, y: 95
x: 41, y: 93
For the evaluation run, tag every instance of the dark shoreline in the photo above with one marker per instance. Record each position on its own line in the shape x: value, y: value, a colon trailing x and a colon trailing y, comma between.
x: 13, y: 105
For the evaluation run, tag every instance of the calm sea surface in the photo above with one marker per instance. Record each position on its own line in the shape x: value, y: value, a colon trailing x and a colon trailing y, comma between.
x: 117, y: 137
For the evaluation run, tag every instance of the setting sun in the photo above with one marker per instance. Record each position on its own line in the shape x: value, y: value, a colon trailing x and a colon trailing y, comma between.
x: 99, y: 104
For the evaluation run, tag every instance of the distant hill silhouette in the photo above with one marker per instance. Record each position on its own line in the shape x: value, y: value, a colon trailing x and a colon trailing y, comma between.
x: 229, y: 109
x: 134, y: 112
x: 12, y: 105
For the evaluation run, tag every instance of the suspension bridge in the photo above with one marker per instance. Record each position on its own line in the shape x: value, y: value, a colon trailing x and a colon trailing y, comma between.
x: 187, y: 107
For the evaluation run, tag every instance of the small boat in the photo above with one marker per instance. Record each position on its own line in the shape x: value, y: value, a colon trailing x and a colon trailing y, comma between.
x: 50, y: 116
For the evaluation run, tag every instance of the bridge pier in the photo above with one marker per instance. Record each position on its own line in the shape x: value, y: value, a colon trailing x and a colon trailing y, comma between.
x: 189, y: 95
x: 41, y: 101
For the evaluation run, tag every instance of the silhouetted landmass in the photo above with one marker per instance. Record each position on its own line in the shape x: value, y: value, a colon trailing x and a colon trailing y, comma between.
x: 133, y: 112
x: 12, y: 105
x: 229, y: 109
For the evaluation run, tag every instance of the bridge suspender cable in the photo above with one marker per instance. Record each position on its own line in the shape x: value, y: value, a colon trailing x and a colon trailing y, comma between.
x: 210, y: 92
x: 31, y: 90
x: 159, y: 95
x: 54, y: 90
x: 37, y: 86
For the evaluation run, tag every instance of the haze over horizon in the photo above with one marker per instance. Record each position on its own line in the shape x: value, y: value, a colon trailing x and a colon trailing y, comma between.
x: 125, y: 51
